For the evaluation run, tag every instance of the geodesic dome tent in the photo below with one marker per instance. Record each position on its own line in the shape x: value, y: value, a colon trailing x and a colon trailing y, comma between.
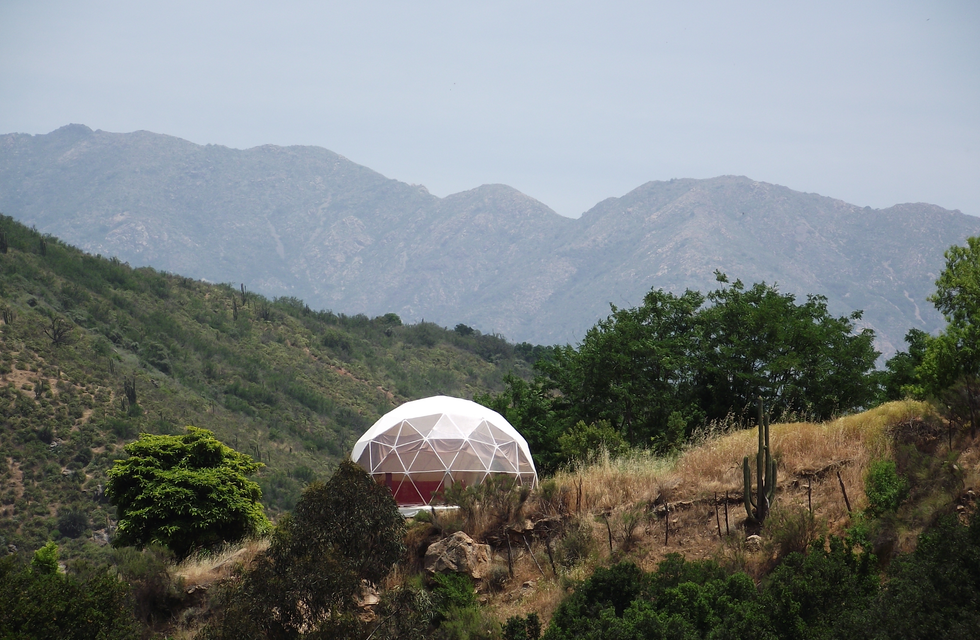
x: 426, y: 445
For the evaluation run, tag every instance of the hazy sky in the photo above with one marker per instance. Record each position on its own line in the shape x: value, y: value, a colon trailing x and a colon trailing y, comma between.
x: 874, y: 103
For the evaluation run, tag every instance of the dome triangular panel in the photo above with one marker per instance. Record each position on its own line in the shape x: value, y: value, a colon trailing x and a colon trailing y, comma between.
x: 408, y: 433
x: 424, y: 424
x: 446, y: 429
x: 482, y: 433
x: 499, y: 435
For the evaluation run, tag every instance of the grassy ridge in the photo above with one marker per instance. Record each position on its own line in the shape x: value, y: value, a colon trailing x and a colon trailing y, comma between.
x: 82, y: 336
x: 615, y: 508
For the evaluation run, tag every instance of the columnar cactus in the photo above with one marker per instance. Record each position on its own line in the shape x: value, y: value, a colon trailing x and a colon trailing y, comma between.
x: 757, y: 506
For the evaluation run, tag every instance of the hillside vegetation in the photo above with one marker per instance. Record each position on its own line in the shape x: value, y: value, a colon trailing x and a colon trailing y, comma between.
x: 94, y: 352
x: 642, y: 508
x: 669, y: 537
x: 639, y: 529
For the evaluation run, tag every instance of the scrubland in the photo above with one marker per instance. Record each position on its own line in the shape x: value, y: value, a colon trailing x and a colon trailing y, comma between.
x: 641, y: 507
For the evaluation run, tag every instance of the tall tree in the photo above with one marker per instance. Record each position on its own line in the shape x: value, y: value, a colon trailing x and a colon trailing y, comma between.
x: 951, y: 366
x: 529, y: 407
x: 634, y: 369
x: 900, y: 379
x: 799, y: 357
x: 657, y: 371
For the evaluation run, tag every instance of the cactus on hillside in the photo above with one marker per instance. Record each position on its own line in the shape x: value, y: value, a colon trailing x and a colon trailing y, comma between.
x: 757, y: 506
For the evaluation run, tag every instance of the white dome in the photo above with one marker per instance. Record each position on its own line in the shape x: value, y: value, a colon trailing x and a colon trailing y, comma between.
x: 426, y: 445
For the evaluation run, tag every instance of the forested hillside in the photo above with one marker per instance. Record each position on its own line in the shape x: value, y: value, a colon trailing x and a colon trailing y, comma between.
x: 94, y: 352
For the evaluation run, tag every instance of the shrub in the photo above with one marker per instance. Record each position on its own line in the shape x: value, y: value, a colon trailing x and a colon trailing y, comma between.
x: 808, y: 595
x: 404, y: 612
x: 576, y: 545
x: 526, y: 628
x: 72, y: 522
x: 469, y: 623
x: 303, y: 473
x: 682, y: 599
x: 157, y: 356
x: 932, y: 592
x: 155, y: 594
x: 46, y: 434
x: 45, y: 560
x: 497, y: 577
x: 583, y: 442
x: 791, y: 529
x: 614, y: 587
x: 452, y: 591
x: 342, y: 532
x: 885, y: 489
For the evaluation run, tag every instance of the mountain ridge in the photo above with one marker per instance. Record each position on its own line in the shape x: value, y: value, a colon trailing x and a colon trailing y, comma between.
x: 307, y: 222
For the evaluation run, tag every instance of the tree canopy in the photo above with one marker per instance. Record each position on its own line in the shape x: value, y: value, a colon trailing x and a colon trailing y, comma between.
x: 184, y: 491
x: 658, y: 371
x: 801, y: 359
x: 950, y: 368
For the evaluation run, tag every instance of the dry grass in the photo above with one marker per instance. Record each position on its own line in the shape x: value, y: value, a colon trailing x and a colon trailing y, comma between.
x: 213, y: 568
x: 809, y: 457
x: 802, y: 450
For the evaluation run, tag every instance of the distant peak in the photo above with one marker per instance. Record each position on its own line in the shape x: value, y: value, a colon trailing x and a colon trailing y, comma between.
x: 496, y: 188
x: 75, y: 129
x: 499, y: 193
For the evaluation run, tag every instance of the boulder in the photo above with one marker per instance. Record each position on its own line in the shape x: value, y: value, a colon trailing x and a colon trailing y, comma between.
x: 368, y: 597
x: 753, y: 543
x: 458, y: 554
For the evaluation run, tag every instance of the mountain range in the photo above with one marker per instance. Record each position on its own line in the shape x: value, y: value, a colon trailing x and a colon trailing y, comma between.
x: 308, y: 223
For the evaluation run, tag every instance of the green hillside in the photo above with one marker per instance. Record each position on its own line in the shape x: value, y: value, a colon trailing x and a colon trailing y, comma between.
x: 93, y: 352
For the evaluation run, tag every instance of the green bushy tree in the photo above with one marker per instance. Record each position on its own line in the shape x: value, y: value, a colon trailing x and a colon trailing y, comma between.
x: 634, y: 369
x: 820, y: 594
x: 184, y: 491
x: 530, y: 407
x: 798, y: 356
x: 45, y: 560
x: 900, y: 379
x: 680, y: 600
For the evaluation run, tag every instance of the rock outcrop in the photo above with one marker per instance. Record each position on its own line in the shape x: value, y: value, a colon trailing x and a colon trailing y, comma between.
x: 458, y: 553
